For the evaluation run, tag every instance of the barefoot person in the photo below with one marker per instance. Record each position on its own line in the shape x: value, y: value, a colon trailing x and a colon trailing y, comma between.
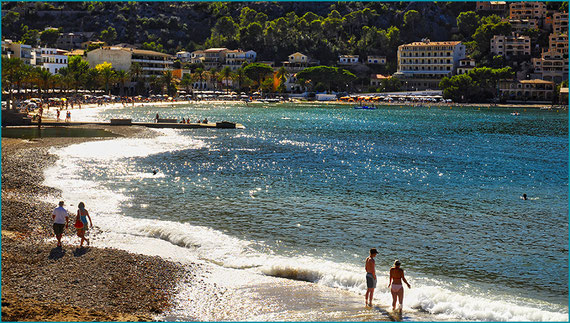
x: 396, y: 277
x: 83, y: 215
x: 370, y: 276
x: 60, y: 219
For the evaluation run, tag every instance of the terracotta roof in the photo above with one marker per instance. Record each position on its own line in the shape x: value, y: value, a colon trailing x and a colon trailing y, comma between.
x: 379, y: 77
x: 433, y: 43
x: 536, y: 82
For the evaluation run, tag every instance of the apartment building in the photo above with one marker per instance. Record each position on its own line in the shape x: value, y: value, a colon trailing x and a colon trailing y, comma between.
x: 527, y: 90
x: 527, y: 10
x: 151, y: 62
x: 551, y: 66
x: 236, y: 58
x: 521, y: 25
x: 184, y: 57
x: 12, y: 49
x: 494, y: 6
x: 560, y: 22
x: 381, y: 60
x: 51, y: 59
x: 558, y: 43
x: 508, y: 46
x: 422, y: 65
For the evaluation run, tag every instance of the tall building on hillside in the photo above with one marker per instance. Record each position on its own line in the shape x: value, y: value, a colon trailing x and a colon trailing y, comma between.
x: 509, y: 46
x: 527, y: 10
x: 222, y: 57
x: 151, y: 62
x: 560, y: 22
x: 422, y: 65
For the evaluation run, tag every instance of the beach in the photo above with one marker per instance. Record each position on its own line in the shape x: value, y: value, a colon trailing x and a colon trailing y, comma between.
x: 42, y: 283
x: 272, y: 223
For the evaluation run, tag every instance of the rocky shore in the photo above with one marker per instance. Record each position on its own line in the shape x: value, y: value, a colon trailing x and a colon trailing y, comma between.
x: 44, y: 283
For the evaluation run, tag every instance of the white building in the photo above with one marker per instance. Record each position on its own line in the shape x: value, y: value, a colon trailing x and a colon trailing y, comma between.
x: 348, y: 59
x: 51, y: 59
x: 422, y: 65
x: 465, y: 65
x: 381, y: 60
x: 184, y: 57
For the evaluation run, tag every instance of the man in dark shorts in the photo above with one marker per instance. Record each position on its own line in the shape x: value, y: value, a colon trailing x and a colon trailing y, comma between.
x: 60, y: 218
x: 370, y: 276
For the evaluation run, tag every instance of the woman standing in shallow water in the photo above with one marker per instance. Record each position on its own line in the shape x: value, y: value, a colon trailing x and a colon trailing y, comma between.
x: 83, y: 215
x: 396, y: 277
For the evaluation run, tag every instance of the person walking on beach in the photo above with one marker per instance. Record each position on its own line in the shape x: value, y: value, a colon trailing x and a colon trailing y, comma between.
x: 396, y: 277
x: 83, y: 215
x: 370, y: 276
x: 60, y: 218
x: 157, y: 117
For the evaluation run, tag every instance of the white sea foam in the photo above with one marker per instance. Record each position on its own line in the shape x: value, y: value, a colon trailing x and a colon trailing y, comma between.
x: 186, y: 242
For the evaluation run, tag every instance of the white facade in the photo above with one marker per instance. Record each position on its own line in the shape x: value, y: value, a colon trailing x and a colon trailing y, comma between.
x: 184, y: 57
x: 381, y: 60
x: 348, y: 59
x: 51, y: 59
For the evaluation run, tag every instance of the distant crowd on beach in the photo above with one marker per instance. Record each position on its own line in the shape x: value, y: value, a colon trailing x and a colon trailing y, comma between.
x: 60, y: 218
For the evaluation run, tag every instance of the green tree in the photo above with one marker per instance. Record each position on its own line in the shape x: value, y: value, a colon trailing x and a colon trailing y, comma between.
x: 412, y: 19
x: 30, y: 36
x: 282, y: 75
x: 167, y: 81
x: 49, y: 37
x: 487, y: 30
x: 122, y: 77
x: 12, y: 74
x: 330, y: 77
x: 78, y: 67
x: 467, y: 23
x: 106, y: 73
x: 257, y: 72
x: 45, y: 80
x: 226, y: 74
x: 108, y: 35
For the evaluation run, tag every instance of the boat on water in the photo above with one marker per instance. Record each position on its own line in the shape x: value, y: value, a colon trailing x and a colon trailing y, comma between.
x: 365, y: 107
x: 515, y: 113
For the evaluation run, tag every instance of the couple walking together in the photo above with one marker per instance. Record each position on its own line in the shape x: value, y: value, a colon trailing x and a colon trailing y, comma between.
x: 60, y: 218
x: 395, y: 280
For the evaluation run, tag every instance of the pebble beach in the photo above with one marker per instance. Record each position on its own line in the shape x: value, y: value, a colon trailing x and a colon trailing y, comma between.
x: 44, y: 283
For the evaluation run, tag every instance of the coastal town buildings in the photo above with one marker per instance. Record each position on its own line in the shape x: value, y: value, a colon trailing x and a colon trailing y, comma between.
x: 492, y: 6
x: 222, y: 57
x: 297, y: 62
x: 521, y: 25
x: 51, y: 59
x: 508, y: 46
x: 465, y: 65
x: 560, y: 22
x: 184, y: 57
x: 558, y: 43
x: 528, y: 10
x: 376, y: 79
x: 381, y: 60
x: 151, y: 62
x: 14, y: 49
x: 527, y: 90
x: 422, y: 65
x: 551, y: 66
x: 348, y: 59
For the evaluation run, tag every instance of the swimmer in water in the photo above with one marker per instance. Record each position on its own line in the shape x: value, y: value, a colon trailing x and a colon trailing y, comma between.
x: 154, y: 172
x: 524, y: 197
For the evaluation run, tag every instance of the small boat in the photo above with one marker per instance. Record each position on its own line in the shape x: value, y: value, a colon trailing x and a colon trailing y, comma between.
x: 365, y: 107
x: 515, y: 113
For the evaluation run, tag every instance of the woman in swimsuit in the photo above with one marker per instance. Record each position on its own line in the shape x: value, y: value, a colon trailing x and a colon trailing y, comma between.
x: 83, y: 215
x: 396, y: 277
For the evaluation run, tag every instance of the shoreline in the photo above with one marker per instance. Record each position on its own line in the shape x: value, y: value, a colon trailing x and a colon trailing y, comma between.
x: 44, y: 283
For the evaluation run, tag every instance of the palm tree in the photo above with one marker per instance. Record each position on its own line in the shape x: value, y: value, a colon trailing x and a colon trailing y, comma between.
x: 66, y: 80
x: 106, y: 73
x: 187, y: 82
x: 200, y: 75
x: 11, y: 74
x: 136, y: 72
x: 214, y: 78
x: 226, y: 74
x: 167, y: 81
x: 91, y: 80
x: 44, y: 80
x: 282, y: 75
x: 122, y: 77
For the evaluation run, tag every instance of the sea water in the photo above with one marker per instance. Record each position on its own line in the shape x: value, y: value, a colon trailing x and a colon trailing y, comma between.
x: 285, y: 211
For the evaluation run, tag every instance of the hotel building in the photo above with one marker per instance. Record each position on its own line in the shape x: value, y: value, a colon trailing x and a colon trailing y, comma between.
x: 509, y: 46
x: 151, y: 62
x: 422, y: 65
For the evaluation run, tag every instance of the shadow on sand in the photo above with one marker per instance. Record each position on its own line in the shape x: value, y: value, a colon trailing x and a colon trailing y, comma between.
x: 395, y: 316
x: 56, y: 253
x: 78, y: 252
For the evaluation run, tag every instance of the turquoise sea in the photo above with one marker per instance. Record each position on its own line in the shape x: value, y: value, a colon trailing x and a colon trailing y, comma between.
x: 299, y: 196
